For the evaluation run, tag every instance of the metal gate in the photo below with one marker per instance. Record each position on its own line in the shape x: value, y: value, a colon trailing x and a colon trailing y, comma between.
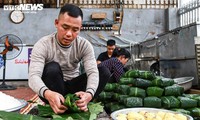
x: 197, y: 50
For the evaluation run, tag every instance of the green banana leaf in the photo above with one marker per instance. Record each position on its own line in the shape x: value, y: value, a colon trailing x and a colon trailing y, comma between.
x: 136, y: 92
x: 148, y: 75
x: 174, y: 90
x: 162, y: 82
x: 170, y: 102
x: 45, y: 110
x: 108, y: 105
x: 115, y: 96
x: 132, y: 74
x: 70, y: 100
x: 195, y: 112
x: 155, y: 91
x: 142, y: 83
x: 123, y: 89
x: 110, y: 87
x: 198, y: 100
x: 180, y: 110
x: 74, y: 116
x: 153, y: 102
x: 167, y: 82
x: 192, y: 96
x: 116, y: 107
x: 187, y: 102
x: 121, y: 98
x: 113, y: 106
x: 94, y: 110
x: 105, y: 95
x: 133, y: 102
x: 16, y: 116
x: 127, y: 81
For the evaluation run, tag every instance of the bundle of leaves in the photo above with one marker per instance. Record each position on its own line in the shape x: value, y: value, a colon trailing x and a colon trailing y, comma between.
x: 73, y: 113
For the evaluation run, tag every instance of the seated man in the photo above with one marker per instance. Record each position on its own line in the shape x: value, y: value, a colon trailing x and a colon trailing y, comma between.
x: 107, y: 54
x: 55, y: 61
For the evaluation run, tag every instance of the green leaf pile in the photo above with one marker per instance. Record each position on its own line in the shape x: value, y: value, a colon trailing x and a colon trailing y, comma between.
x: 95, y: 109
x: 73, y: 113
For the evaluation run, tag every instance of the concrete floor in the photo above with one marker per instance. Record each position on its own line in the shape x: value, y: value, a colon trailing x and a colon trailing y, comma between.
x: 16, y: 83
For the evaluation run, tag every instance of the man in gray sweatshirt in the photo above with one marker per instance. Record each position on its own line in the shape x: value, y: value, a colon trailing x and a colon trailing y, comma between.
x: 55, y: 61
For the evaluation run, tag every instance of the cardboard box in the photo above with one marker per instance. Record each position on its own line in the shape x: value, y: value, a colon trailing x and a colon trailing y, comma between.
x: 101, y: 15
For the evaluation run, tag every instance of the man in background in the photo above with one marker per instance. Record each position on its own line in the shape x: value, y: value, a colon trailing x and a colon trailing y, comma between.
x: 115, y: 65
x: 107, y: 54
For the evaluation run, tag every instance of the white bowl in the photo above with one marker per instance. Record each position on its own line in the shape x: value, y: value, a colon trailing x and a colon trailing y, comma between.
x: 185, y: 82
x: 154, y: 110
x: 17, y: 108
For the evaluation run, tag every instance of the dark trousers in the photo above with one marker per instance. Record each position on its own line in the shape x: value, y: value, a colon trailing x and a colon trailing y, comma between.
x: 53, y: 79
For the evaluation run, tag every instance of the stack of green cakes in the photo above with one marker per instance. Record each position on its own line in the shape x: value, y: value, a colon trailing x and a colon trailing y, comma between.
x: 139, y: 88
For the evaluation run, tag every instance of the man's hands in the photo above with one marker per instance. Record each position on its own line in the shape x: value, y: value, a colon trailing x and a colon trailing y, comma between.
x: 85, y: 98
x: 56, y: 101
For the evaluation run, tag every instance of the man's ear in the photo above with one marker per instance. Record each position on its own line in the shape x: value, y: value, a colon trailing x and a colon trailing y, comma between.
x: 81, y: 27
x: 56, y: 22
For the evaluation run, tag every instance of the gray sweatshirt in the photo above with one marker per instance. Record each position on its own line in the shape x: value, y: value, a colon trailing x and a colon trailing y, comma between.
x: 48, y: 49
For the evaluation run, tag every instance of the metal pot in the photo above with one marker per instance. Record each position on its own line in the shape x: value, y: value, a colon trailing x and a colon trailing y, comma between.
x: 185, y: 82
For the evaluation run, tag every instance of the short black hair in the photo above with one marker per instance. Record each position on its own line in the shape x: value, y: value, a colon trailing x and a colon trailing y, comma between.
x: 72, y: 10
x: 110, y: 42
x: 121, y: 51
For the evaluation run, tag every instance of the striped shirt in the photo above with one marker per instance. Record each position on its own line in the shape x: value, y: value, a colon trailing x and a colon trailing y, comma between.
x: 115, y: 67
